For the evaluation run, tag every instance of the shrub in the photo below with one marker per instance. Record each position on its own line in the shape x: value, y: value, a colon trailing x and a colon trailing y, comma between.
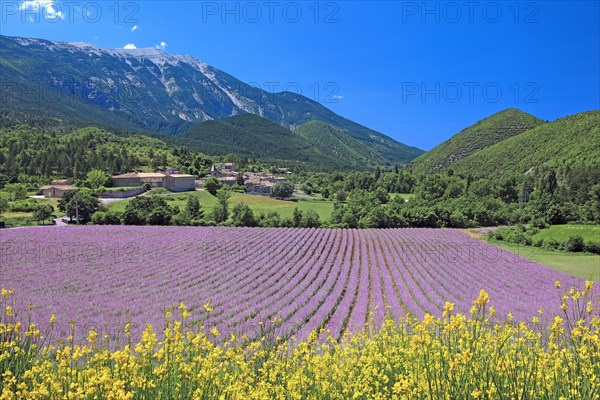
x: 272, y: 219
x: 539, y: 223
x: 242, y: 215
x: 3, y: 205
x: 282, y: 190
x: 593, y: 247
x: 517, y: 235
x: 106, y: 218
x: 24, y: 206
x: 238, y: 188
x: 552, y: 244
x: 341, y: 196
x: 310, y: 219
x: 538, y: 243
x: 574, y: 244
x: 212, y: 185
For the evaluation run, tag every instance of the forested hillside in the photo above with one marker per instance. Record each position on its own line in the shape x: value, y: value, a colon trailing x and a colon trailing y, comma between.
x: 573, y: 140
x: 479, y: 136
x: 30, y: 153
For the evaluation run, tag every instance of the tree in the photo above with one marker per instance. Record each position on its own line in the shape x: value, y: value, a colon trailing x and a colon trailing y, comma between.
x: 106, y: 218
x: 526, y: 189
x: 96, y: 179
x: 381, y: 195
x: 3, y: 205
x: 341, y: 196
x: 148, y: 210
x: 272, y: 219
x: 18, y: 191
x: 549, y: 183
x: 212, y: 185
x: 307, y: 188
x: 282, y: 190
x: 595, y: 202
x: 79, y: 204
x: 43, y: 212
x: 220, y: 212
x: 242, y: 215
x: 193, y: 208
x: 239, y: 179
x: 310, y: 219
x: 297, y: 217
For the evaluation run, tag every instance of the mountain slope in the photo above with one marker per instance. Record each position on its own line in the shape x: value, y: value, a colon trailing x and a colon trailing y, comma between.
x: 247, y: 135
x: 571, y: 140
x: 154, y: 91
x: 330, y: 140
x: 252, y: 136
x: 481, y: 135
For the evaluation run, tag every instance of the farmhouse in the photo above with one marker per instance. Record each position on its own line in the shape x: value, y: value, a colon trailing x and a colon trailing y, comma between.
x: 174, y: 182
x: 56, y: 191
x: 179, y: 182
x: 155, y: 179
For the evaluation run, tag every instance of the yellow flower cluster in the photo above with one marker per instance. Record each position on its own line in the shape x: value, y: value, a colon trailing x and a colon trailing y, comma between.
x: 453, y: 357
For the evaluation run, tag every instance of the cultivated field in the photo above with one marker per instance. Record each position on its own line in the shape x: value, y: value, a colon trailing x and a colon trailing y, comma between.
x: 251, y: 280
x: 252, y: 289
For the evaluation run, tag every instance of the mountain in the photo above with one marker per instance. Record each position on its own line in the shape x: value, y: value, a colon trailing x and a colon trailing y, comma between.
x: 332, y: 141
x: 150, y: 90
x: 570, y: 140
x: 249, y: 135
x: 479, y: 136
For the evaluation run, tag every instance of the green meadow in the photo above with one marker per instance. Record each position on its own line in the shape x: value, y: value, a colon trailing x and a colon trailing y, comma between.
x: 259, y: 204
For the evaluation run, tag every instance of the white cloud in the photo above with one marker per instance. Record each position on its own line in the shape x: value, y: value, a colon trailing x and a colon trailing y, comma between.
x: 161, y: 46
x: 134, y: 28
x: 337, y: 97
x: 47, y: 6
x: 130, y: 46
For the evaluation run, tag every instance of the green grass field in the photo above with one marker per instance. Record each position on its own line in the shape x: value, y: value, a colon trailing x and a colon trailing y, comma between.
x: 13, y: 219
x: 584, y: 265
x: 258, y: 203
x: 405, y: 196
x: 561, y: 233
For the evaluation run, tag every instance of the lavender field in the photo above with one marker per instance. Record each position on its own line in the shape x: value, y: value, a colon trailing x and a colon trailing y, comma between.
x: 289, y: 280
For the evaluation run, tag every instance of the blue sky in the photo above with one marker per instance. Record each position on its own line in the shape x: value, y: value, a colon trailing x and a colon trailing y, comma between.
x: 418, y: 72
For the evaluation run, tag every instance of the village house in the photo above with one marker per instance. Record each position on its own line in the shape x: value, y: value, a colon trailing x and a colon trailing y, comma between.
x: 57, y: 188
x: 155, y: 179
x: 255, y: 182
x: 174, y: 182
x: 259, y: 183
x: 179, y: 182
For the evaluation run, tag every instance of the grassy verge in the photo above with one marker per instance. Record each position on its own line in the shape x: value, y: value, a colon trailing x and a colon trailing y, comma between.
x: 563, y: 232
x: 584, y: 265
